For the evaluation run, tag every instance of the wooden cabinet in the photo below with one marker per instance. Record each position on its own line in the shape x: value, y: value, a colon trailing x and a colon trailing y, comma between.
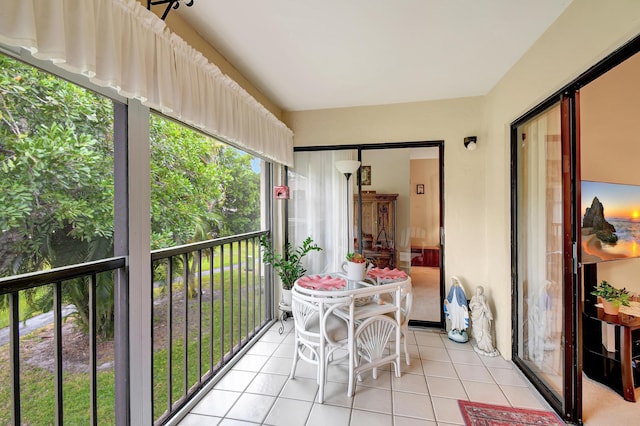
x: 617, y: 369
x: 378, y: 228
x: 616, y: 365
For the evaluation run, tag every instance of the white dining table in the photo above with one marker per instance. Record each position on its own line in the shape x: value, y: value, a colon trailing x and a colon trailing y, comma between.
x: 373, y: 296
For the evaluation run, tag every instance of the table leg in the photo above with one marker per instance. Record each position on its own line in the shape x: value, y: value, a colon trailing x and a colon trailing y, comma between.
x: 628, y: 387
x: 352, y: 349
x: 283, y: 318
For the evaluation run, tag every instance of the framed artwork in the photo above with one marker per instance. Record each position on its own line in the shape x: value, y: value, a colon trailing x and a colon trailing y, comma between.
x: 420, y: 188
x: 610, y: 221
x: 365, y: 174
x: 281, y: 192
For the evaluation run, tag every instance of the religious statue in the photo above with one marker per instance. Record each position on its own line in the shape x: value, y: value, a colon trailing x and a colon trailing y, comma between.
x: 457, y: 311
x: 481, y: 318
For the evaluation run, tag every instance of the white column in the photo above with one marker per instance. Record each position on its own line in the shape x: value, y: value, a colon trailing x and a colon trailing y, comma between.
x: 139, y: 264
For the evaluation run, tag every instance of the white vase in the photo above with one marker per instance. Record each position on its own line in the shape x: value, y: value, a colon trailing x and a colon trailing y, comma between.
x: 354, y: 271
x: 286, y: 297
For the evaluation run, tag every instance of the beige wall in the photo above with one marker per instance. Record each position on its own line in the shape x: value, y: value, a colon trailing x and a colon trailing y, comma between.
x: 609, y: 111
x: 477, y: 183
x: 585, y: 33
x: 609, y: 118
x: 464, y: 171
x: 425, y: 208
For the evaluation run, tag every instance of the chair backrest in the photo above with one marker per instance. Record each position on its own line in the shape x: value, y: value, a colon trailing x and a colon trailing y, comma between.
x: 406, y: 304
x: 311, y: 312
x: 372, y: 336
x: 306, y: 314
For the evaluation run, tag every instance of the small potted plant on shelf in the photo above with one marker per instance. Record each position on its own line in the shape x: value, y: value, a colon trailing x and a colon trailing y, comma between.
x: 611, y: 297
x: 289, y: 264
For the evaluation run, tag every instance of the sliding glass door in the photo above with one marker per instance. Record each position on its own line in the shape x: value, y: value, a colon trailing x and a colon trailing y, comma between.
x: 544, y: 237
x: 390, y: 209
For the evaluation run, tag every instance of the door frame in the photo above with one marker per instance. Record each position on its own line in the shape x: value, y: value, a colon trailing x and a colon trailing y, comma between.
x: 401, y: 145
x: 571, y: 406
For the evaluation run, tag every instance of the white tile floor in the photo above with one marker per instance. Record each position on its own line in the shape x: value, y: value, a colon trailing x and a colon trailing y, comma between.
x: 258, y: 390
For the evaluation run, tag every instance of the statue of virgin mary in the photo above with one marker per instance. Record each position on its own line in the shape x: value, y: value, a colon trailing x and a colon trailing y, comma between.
x: 457, y: 312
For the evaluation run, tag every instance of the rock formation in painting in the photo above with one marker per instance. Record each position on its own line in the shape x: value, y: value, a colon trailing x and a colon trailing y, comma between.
x: 594, y: 219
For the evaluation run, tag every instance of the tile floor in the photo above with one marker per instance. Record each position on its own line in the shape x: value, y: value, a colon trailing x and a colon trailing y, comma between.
x: 257, y: 390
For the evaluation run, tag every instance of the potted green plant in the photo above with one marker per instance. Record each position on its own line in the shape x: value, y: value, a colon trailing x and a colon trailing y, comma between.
x: 289, y: 264
x: 355, y: 258
x: 355, y: 267
x: 611, y: 297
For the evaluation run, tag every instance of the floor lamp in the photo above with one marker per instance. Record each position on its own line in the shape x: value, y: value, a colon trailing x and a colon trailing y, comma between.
x: 347, y: 167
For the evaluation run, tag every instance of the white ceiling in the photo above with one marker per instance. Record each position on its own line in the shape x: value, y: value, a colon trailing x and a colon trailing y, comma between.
x: 305, y: 54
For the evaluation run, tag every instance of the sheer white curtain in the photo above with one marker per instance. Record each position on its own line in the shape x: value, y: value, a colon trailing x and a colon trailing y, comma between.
x: 318, y: 207
x: 122, y: 45
x: 541, y: 222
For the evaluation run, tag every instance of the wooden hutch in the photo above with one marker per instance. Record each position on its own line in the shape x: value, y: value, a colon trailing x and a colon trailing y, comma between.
x: 378, y: 228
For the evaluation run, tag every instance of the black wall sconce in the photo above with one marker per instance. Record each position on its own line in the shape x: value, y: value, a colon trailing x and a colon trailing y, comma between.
x: 470, y: 142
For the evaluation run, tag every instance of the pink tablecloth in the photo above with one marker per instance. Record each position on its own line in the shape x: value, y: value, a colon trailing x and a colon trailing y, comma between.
x: 319, y: 282
x: 386, y: 274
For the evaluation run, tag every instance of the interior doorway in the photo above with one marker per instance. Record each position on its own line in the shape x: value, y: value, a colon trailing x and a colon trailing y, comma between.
x: 413, y: 174
x: 381, y: 199
x: 425, y: 228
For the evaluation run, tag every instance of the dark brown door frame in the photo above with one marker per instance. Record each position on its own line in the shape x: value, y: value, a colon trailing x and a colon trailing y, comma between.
x: 571, y: 407
x: 567, y: 405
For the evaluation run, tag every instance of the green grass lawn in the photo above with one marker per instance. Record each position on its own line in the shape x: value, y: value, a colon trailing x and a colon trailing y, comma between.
x: 23, y: 311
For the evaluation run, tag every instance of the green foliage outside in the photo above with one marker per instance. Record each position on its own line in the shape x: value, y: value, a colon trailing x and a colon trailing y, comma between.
x: 56, y: 203
x: 56, y: 183
x: 23, y: 308
x: 56, y: 179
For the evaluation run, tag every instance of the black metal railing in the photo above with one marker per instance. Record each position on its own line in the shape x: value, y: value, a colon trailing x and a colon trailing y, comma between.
x: 209, y: 300
x: 53, y: 369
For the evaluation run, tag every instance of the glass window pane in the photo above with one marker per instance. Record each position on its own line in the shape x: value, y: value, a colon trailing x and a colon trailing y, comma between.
x: 539, y: 243
x: 56, y: 209
x: 56, y: 171
x: 201, y: 188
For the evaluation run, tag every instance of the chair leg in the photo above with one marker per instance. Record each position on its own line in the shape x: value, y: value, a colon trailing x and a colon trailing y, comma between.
x: 294, y: 362
x: 321, y: 385
x: 352, y: 363
x: 398, y: 354
x: 406, y: 351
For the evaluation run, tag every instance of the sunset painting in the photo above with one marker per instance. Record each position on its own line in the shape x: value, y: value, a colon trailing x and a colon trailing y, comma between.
x: 610, y: 221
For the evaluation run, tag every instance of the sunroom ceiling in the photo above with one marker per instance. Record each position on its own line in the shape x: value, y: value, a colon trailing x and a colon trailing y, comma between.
x: 307, y: 55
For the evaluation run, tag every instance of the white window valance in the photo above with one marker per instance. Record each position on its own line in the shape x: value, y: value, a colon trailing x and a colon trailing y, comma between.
x: 120, y: 44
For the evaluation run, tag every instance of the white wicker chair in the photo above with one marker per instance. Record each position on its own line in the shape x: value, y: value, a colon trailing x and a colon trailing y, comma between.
x: 372, y: 339
x: 317, y: 332
x: 406, y: 304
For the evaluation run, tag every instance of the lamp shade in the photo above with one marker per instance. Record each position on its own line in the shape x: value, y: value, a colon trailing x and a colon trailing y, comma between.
x: 347, y: 166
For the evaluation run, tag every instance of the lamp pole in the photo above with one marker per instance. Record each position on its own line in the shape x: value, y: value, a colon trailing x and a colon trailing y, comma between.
x: 348, y: 167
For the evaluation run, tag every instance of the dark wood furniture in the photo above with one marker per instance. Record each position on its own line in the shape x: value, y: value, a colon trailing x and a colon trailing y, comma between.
x: 620, y: 370
x: 378, y: 228
x: 425, y: 256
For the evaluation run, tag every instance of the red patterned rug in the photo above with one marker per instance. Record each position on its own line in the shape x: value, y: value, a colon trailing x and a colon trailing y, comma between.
x: 478, y: 414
